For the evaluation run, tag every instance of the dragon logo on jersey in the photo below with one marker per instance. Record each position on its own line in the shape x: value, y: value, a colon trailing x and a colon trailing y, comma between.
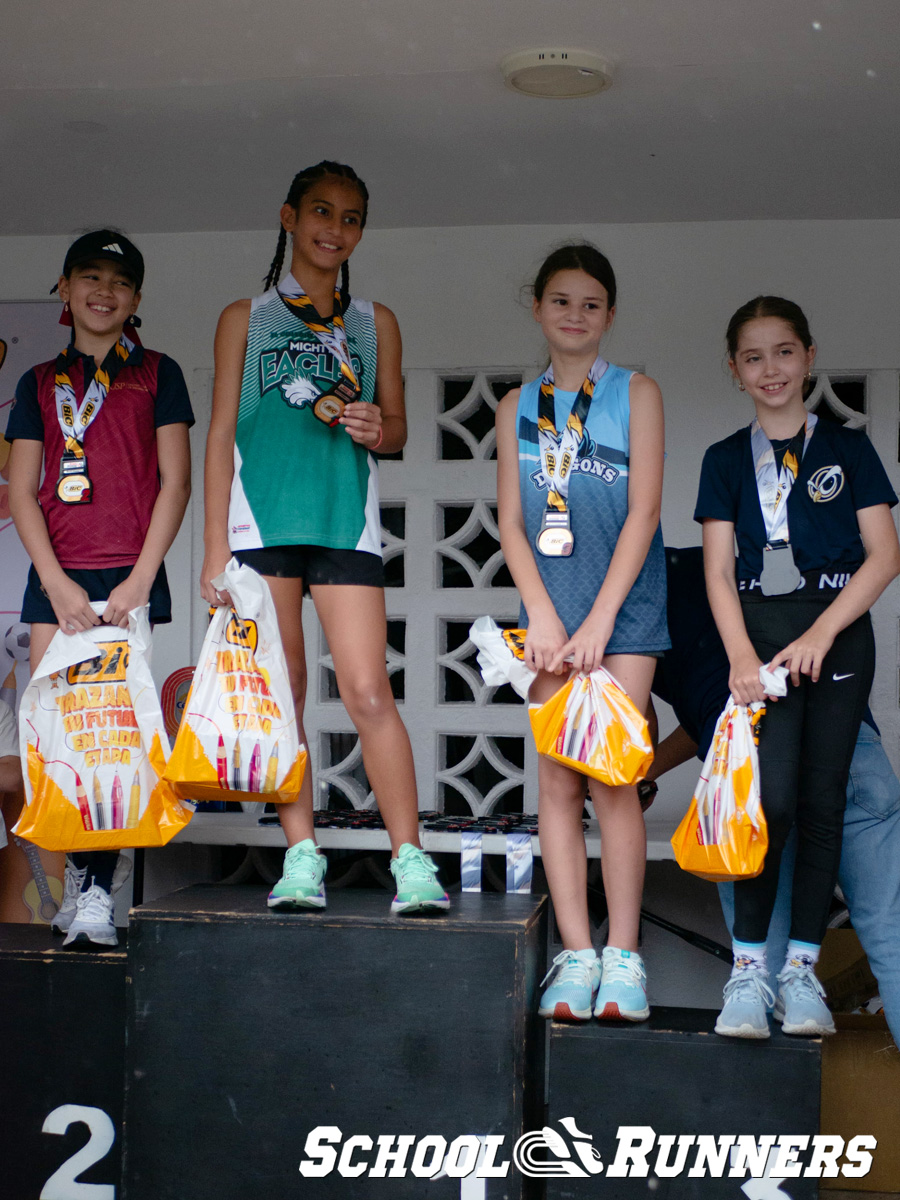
x: 825, y: 484
x: 303, y: 371
x: 590, y: 461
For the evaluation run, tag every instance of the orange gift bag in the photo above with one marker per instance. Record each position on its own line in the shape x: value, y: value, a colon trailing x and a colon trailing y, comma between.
x: 592, y: 726
x: 723, y: 835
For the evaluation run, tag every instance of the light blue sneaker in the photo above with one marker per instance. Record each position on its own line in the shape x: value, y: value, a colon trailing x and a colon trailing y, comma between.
x: 747, y: 1000
x: 800, y: 1006
x: 418, y: 887
x: 623, y: 987
x: 301, y: 884
x: 576, y: 977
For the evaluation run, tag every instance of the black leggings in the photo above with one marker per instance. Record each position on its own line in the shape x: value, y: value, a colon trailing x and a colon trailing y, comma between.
x: 805, y: 747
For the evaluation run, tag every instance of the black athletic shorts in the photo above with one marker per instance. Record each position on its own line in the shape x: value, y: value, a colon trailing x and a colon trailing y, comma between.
x: 36, y: 606
x: 316, y: 564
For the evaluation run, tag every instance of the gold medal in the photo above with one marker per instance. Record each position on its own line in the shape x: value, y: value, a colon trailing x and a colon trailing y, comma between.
x: 328, y: 408
x: 330, y: 405
x: 74, y: 484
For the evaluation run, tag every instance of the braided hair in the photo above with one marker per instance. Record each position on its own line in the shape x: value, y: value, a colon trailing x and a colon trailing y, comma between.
x: 300, y: 184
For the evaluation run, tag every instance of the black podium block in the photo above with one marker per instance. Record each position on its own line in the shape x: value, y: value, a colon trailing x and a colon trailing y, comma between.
x: 675, y: 1076
x: 248, y: 1029
x: 62, y: 1053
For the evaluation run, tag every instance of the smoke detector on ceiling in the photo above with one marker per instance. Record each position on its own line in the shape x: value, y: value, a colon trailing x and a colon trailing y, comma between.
x: 556, y: 74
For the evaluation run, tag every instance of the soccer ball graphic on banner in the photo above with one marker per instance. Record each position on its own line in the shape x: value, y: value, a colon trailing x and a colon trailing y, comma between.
x: 17, y: 641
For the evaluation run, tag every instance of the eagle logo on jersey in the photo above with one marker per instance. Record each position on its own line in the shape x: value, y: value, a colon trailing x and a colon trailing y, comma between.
x: 827, y: 483
x: 299, y: 391
x: 301, y: 372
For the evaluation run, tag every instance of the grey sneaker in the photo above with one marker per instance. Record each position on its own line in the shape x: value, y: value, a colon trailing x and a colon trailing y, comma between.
x: 93, y: 921
x: 747, y: 999
x: 801, y: 1006
x: 73, y: 879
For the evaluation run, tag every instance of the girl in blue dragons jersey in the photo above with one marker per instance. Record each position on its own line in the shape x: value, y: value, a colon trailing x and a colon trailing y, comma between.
x: 591, y: 575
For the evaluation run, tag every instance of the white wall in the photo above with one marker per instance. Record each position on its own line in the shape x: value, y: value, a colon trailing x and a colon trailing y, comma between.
x: 456, y: 292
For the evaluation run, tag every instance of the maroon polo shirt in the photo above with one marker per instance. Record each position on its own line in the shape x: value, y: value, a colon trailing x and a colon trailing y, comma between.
x: 120, y: 447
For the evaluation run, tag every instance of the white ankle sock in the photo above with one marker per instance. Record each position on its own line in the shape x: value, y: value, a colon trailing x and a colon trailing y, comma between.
x: 749, y: 956
x: 801, y: 954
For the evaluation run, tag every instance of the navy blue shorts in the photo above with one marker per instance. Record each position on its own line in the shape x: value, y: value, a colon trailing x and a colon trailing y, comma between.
x: 36, y: 606
x: 316, y: 564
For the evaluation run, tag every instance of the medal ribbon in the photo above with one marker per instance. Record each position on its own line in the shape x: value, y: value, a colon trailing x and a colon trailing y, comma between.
x: 559, y: 452
x: 334, y: 340
x: 74, y: 418
x: 774, y: 484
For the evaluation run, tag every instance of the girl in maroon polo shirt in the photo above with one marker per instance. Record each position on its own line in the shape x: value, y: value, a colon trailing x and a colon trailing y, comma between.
x: 106, y: 424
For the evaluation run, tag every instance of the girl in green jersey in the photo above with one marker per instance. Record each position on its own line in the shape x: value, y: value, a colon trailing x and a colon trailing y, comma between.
x: 308, y: 384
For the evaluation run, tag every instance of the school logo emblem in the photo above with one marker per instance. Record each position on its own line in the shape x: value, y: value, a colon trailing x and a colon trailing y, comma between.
x: 575, y: 1155
x: 827, y: 483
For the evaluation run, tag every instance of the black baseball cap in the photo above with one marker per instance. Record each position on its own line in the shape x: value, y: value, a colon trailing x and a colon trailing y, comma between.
x: 105, y: 243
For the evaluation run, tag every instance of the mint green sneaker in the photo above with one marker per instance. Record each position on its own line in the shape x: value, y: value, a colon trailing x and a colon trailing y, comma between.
x: 301, y: 884
x: 418, y: 888
x: 623, y: 986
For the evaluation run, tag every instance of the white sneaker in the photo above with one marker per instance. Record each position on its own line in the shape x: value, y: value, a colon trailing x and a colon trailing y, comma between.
x: 93, y: 921
x: 73, y: 880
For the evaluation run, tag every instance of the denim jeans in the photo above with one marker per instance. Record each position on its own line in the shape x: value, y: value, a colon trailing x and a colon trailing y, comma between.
x: 869, y: 873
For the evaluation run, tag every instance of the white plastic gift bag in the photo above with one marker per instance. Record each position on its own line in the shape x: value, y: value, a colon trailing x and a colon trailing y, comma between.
x: 500, y: 655
x: 94, y: 745
x: 238, y: 738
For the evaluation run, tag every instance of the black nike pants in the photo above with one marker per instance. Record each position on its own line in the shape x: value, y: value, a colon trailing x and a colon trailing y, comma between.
x: 805, y: 747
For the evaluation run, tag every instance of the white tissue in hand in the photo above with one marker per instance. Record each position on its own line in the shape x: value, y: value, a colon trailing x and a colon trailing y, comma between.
x: 774, y: 682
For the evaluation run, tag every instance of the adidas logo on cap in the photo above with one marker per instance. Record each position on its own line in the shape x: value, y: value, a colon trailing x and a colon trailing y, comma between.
x: 115, y: 247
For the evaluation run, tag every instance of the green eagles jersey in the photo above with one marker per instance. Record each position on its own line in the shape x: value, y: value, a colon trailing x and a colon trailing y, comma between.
x: 296, y: 480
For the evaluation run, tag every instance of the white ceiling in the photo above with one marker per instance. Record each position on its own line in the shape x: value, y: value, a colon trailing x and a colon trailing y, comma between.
x: 180, y: 115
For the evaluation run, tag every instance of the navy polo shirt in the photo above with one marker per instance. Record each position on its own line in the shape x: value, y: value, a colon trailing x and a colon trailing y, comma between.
x: 839, y: 474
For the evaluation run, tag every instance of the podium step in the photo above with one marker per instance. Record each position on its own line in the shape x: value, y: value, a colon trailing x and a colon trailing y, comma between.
x: 62, y: 1029
x: 674, y: 1076
x: 249, y: 1029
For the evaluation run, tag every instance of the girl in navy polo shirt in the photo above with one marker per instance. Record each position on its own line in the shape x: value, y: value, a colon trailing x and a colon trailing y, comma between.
x: 808, y: 503
x: 99, y: 478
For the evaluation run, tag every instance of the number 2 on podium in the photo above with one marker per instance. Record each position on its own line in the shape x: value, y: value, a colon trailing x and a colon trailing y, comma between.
x: 63, y: 1184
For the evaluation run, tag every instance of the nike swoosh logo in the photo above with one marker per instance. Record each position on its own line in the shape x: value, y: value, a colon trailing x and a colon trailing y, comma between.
x: 836, y: 678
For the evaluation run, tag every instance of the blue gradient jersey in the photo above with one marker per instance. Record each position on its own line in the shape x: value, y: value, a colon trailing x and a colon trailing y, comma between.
x: 598, y: 503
